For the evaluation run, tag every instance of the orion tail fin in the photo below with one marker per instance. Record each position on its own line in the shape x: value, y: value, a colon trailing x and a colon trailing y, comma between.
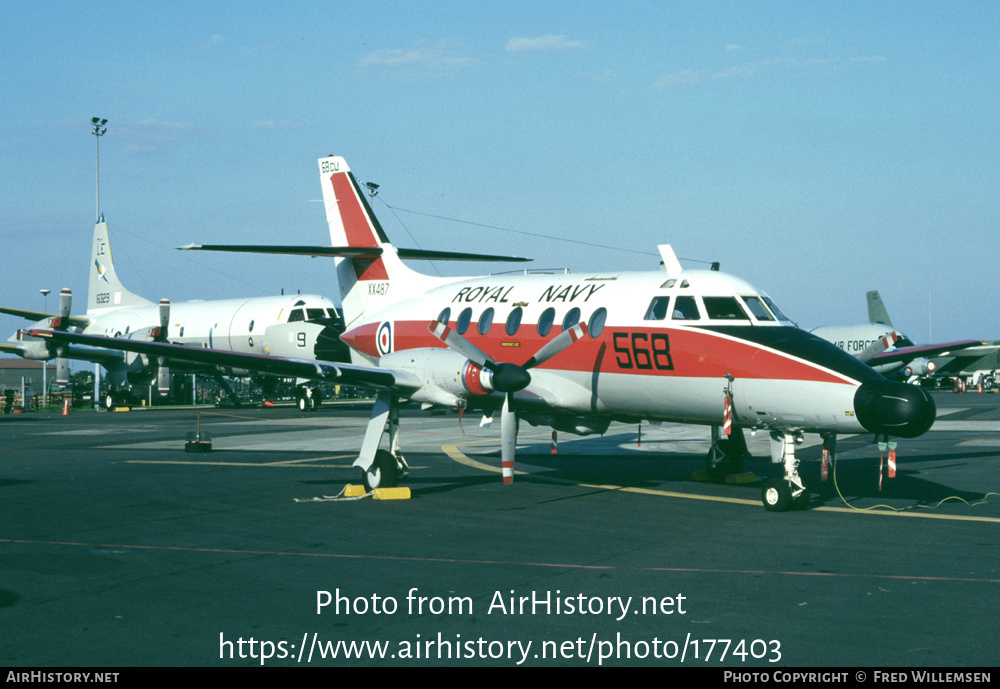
x: 106, y: 291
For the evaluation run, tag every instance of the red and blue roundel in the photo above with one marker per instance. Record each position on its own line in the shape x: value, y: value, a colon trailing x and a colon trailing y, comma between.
x: 383, y: 339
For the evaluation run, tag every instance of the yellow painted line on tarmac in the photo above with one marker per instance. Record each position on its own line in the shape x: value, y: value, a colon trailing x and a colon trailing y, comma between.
x: 457, y: 455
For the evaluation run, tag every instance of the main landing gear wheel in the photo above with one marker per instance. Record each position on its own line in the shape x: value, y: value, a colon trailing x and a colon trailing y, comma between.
x: 383, y: 473
x: 777, y: 496
x: 305, y: 403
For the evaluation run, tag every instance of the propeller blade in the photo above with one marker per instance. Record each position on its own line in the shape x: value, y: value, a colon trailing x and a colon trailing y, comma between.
x: 556, y: 345
x: 162, y: 378
x: 877, y: 347
x: 62, y: 371
x: 65, y: 302
x: 461, y: 345
x: 61, y: 322
x: 159, y: 334
x: 164, y: 317
x: 508, y: 441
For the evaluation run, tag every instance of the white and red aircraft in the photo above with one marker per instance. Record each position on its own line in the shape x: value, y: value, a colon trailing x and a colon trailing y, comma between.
x: 579, y: 351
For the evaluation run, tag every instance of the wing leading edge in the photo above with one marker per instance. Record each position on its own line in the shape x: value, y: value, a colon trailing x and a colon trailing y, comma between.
x: 348, y: 374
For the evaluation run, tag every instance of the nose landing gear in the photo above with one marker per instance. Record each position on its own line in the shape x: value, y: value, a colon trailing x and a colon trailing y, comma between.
x: 781, y: 495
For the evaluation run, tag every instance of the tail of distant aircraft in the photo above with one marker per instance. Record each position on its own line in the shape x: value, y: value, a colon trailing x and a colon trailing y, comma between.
x: 371, y: 279
x: 877, y: 312
x: 106, y: 291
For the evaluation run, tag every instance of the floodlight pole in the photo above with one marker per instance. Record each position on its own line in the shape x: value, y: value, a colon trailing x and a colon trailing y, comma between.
x: 98, y: 131
x: 45, y: 362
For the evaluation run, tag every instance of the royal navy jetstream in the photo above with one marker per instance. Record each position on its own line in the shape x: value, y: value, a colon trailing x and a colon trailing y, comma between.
x: 576, y: 352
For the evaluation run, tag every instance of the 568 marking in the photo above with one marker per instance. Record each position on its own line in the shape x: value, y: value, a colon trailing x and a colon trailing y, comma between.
x: 643, y: 351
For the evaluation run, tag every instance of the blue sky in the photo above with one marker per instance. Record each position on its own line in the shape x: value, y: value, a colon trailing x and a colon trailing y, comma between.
x: 818, y: 150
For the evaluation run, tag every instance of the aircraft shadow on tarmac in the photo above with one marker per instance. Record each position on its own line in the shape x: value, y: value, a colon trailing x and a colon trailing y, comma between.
x: 853, y: 478
x: 856, y: 479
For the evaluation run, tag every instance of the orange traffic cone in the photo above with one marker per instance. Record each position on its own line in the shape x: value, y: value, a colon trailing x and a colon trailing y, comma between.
x: 65, y: 408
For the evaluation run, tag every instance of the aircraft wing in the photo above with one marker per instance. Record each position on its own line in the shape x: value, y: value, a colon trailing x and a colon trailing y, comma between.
x: 73, y: 321
x: 348, y: 374
x: 907, y: 354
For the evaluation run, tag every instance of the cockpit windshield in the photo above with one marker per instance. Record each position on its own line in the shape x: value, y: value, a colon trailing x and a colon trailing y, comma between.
x: 777, y: 312
x: 725, y: 309
x: 757, y: 308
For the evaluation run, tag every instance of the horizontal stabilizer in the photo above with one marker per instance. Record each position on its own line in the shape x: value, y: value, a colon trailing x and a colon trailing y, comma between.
x: 352, y: 252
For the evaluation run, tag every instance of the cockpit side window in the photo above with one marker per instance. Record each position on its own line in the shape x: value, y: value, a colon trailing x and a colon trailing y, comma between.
x: 685, y: 309
x: 315, y: 314
x: 758, y: 309
x: 725, y: 309
x: 296, y: 315
x: 657, y: 310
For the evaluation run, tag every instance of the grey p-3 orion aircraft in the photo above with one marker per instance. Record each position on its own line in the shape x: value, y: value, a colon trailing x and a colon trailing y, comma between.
x: 576, y: 352
x: 306, y: 326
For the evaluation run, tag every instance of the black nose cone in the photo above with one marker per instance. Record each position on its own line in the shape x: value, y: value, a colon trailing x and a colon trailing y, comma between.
x: 898, y: 409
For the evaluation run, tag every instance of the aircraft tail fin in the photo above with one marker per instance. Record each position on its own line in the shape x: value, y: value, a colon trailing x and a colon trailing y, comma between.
x: 106, y: 291
x: 877, y: 312
x: 366, y: 283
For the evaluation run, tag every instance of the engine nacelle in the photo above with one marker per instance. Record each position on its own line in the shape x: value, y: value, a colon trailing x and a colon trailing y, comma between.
x: 306, y: 339
x: 920, y: 367
x: 448, y: 377
x: 565, y: 423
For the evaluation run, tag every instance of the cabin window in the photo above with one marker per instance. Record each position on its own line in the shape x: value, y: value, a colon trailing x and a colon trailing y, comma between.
x: 571, y: 319
x: 597, y: 320
x: 250, y: 329
x: 685, y: 309
x: 464, y: 319
x: 657, y: 310
x: 725, y: 309
x: 296, y: 315
x: 514, y: 321
x: 485, y: 321
x: 758, y: 309
x: 545, y: 321
x: 444, y: 316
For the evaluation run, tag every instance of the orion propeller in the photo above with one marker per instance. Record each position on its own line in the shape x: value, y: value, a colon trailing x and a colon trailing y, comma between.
x: 506, y: 377
x: 160, y: 335
x: 62, y: 323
